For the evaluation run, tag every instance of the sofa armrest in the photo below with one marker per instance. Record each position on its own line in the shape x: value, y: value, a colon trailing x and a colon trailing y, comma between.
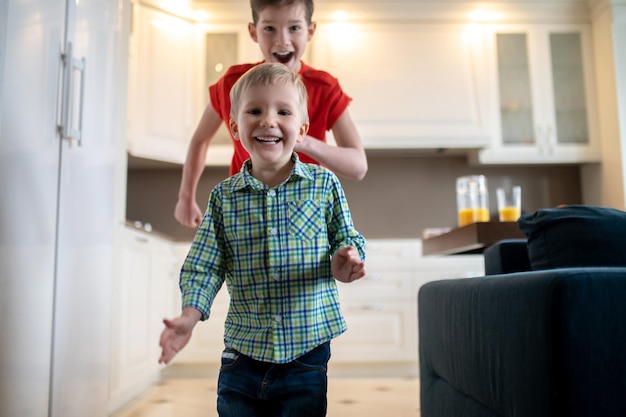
x: 477, y: 337
x: 543, y: 343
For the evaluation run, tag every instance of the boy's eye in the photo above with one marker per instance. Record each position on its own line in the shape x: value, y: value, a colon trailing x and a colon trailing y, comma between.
x: 253, y: 111
x: 295, y: 28
x: 284, y: 112
x: 269, y: 29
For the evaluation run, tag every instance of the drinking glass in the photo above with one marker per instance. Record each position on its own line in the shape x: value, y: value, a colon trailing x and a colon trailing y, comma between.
x: 472, y: 199
x: 509, y: 203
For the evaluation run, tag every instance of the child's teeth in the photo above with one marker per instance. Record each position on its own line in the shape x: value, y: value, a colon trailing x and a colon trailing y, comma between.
x: 267, y: 139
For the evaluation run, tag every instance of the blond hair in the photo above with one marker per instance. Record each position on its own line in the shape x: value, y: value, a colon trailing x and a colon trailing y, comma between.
x: 269, y: 73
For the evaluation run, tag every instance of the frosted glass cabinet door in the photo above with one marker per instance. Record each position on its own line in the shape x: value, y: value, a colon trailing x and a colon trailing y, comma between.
x: 546, y: 111
x: 568, y: 79
x: 516, y: 109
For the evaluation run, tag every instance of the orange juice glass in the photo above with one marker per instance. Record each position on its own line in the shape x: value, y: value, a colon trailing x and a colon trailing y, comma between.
x: 473, y: 215
x: 509, y: 214
x: 472, y: 199
x: 509, y: 203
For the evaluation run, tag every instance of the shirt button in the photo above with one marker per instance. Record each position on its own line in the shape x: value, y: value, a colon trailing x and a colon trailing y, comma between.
x: 271, y: 193
x: 278, y: 318
x: 273, y: 231
x: 275, y: 277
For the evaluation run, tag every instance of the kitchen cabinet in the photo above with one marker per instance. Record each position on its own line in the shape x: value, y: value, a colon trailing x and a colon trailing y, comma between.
x: 62, y: 181
x: 413, y: 85
x: 143, y: 296
x: 546, y: 98
x: 172, y: 62
x: 380, y: 309
x: 161, y: 117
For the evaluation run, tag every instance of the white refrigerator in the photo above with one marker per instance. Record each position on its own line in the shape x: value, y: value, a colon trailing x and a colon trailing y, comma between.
x: 62, y: 200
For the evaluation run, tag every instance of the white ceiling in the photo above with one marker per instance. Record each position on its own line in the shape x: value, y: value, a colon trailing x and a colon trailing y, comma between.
x: 553, y: 11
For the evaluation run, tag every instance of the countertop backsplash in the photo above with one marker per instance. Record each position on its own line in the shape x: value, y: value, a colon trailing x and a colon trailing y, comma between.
x: 399, y: 197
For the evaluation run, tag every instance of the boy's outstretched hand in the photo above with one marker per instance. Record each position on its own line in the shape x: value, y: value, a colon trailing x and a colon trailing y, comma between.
x: 176, y: 334
x: 346, y: 265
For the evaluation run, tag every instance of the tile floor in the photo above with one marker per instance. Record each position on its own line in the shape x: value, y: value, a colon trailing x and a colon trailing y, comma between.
x: 347, y: 397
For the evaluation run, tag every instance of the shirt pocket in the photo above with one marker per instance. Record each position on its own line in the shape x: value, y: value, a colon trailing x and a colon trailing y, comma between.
x: 306, y: 218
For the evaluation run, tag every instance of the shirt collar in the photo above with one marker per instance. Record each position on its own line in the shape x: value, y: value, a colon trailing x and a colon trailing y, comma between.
x: 244, y: 179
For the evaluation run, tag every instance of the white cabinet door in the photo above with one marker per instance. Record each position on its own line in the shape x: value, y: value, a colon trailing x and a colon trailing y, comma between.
x: 546, y: 96
x: 414, y: 86
x: 160, y: 112
x: 172, y: 63
x: 142, y: 296
x: 378, y: 331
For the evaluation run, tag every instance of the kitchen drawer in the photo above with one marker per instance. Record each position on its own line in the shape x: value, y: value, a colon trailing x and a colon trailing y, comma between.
x: 393, y: 285
x: 384, y: 255
x: 459, y: 266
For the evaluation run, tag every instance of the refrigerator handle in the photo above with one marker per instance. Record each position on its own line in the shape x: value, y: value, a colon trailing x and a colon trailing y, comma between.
x: 73, y: 91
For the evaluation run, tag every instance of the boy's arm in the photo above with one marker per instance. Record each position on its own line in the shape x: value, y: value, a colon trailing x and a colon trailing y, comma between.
x: 187, y: 211
x: 177, y: 333
x: 347, y: 159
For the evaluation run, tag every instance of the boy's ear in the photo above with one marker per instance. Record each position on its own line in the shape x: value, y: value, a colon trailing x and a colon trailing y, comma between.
x: 253, y: 33
x: 234, y: 129
x: 311, y: 30
x: 304, y: 129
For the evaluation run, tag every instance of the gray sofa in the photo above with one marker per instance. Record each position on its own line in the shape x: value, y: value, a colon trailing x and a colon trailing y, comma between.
x: 550, y: 341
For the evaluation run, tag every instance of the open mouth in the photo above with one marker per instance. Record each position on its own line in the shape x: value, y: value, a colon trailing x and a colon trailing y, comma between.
x: 283, y: 57
x: 270, y: 140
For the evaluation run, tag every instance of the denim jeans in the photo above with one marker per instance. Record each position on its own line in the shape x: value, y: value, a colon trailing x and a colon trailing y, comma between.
x: 250, y: 388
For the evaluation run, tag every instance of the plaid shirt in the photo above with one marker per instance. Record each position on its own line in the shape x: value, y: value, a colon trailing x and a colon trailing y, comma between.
x: 272, y: 246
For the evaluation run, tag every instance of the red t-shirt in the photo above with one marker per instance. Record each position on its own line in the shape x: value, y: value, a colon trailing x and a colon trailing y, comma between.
x: 326, y: 103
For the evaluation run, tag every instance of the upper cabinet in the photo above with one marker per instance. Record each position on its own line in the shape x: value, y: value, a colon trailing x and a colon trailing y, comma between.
x: 420, y: 77
x: 172, y: 62
x: 161, y: 115
x: 413, y: 85
x: 545, y: 95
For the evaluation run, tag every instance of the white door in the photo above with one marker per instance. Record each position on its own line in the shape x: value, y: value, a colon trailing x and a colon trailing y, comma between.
x: 29, y: 163
x: 61, y: 204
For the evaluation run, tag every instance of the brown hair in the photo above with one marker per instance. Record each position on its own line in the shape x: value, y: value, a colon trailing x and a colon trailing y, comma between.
x: 269, y: 73
x: 258, y: 5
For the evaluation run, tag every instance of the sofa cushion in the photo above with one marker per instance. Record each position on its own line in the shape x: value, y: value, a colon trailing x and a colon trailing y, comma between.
x: 506, y: 256
x: 575, y: 235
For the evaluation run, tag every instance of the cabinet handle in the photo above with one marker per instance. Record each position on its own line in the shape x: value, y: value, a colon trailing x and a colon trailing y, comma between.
x: 366, y: 307
x: 551, y: 139
x: 546, y: 140
x: 541, y: 140
x: 71, y: 126
x: 373, y: 277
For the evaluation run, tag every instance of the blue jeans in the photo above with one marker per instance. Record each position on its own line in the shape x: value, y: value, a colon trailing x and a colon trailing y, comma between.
x: 250, y: 388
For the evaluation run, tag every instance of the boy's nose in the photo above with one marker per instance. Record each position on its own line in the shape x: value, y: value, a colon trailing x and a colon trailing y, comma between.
x: 282, y: 38
x: 268, y: 121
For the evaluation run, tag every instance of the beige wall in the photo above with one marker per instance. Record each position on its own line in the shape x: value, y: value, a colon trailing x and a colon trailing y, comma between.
x: 604, y: 184
x: 399, y: 197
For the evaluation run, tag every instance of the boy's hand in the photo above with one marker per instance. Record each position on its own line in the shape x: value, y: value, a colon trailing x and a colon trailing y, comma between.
x: 188, y: 213
x: 175, y: 336
x: 346, y: 265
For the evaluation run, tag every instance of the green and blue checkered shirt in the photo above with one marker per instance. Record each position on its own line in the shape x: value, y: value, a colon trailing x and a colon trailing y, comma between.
x: 272, y: 247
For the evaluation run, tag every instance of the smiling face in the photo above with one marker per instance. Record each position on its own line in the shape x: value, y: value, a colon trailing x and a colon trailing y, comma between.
x: 282, y: 33
x: 269, y: 122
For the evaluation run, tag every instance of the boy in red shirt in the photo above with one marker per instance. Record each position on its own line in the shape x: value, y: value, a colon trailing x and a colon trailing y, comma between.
x: 282, y: 28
